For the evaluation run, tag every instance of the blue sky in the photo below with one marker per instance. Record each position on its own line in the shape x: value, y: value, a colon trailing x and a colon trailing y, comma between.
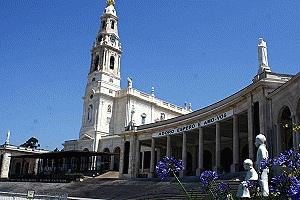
x: 194, y: 50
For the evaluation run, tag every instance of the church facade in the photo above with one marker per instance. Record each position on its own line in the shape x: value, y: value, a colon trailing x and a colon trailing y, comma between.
x: 141, y: 128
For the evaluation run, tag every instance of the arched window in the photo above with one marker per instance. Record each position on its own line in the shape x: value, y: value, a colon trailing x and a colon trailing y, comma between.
x: 90, y: 113
x: 143, y: 118
x: 96, y: 63
x: 99, y: 38
x: 103, y: 24
x: 112, y: 62
x: 112, y: 24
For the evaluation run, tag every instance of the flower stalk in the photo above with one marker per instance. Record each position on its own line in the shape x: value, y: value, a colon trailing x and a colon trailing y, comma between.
x: 181, y: 185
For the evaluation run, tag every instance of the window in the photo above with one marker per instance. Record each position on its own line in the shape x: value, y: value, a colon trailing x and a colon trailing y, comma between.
x: 109, y: 108
x: 112, y: 24
x: 93, y: 79
x: 90, y: 113
x: 91, y: 96
x: 112, y: 62
x: 99, y: 38
x: 111, y: 80
x: 103, y: 24
x: 110, y: 91
x: 143, y: 118
x: 96, y: 63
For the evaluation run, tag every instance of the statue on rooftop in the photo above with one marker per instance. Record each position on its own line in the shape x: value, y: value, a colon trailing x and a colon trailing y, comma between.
x: 263, y: 56
x: 7, y: 141
x: 129, y: 82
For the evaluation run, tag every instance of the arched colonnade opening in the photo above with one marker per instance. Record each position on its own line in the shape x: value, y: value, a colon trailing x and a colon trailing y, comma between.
x: 287, y: 133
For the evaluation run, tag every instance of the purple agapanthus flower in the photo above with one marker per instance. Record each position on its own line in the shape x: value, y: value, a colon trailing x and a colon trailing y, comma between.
x: 265, y: 163
x: 294, y: 190
x: 168, y: 165
x: 251, y: 184
x: 207, y: 177
x: 280, y: 184
x: 289, y: 159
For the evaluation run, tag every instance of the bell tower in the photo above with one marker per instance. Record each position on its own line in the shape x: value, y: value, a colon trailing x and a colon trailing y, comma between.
x: 103, y: 78
x: 106, y: 52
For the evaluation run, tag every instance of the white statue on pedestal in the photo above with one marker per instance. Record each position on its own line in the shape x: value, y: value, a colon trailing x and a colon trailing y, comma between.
x: 262, y: 154
x: 263, y: 56
x: 243, y: 191
x: 7, y: 141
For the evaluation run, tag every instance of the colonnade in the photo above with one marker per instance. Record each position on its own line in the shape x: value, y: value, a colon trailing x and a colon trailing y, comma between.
x: 235, y: 148
x: 251, y: 126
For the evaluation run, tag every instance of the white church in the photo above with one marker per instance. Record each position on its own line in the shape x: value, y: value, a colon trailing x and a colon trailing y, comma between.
x: 136, y: 129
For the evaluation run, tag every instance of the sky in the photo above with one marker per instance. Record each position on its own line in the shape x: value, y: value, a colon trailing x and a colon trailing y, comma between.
x: 197, y: 51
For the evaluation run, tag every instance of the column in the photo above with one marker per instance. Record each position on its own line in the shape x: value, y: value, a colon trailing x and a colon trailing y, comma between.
x: 218, y: 146
x: 132, y: 151
x: 158, y: 154
x: 183, y: 154
x: 36, y: 166
x: 111, y: 164
x: 278, y: 138
x: 262, y: 115
x: 121, y: 165
x: 250, y: 133
x: 143, y: 159
x: 168, y: 146
x: 152, y: 158
x: 5, y: 165
x: 137, y: 159
x: 235, y: 145
x: 200, y: 156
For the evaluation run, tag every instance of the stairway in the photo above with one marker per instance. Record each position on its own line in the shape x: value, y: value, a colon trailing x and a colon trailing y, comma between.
x: 194, y: 192
x: 109, y: 175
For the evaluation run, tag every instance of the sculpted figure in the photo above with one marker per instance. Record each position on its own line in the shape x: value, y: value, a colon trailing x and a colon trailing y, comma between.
x: 129, y: 82
x: 7, y: 138
x: 262, y: 153
x: 243, y: 191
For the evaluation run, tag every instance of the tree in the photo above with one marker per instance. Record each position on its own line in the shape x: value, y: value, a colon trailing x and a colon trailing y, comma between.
x: 31, y: 143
